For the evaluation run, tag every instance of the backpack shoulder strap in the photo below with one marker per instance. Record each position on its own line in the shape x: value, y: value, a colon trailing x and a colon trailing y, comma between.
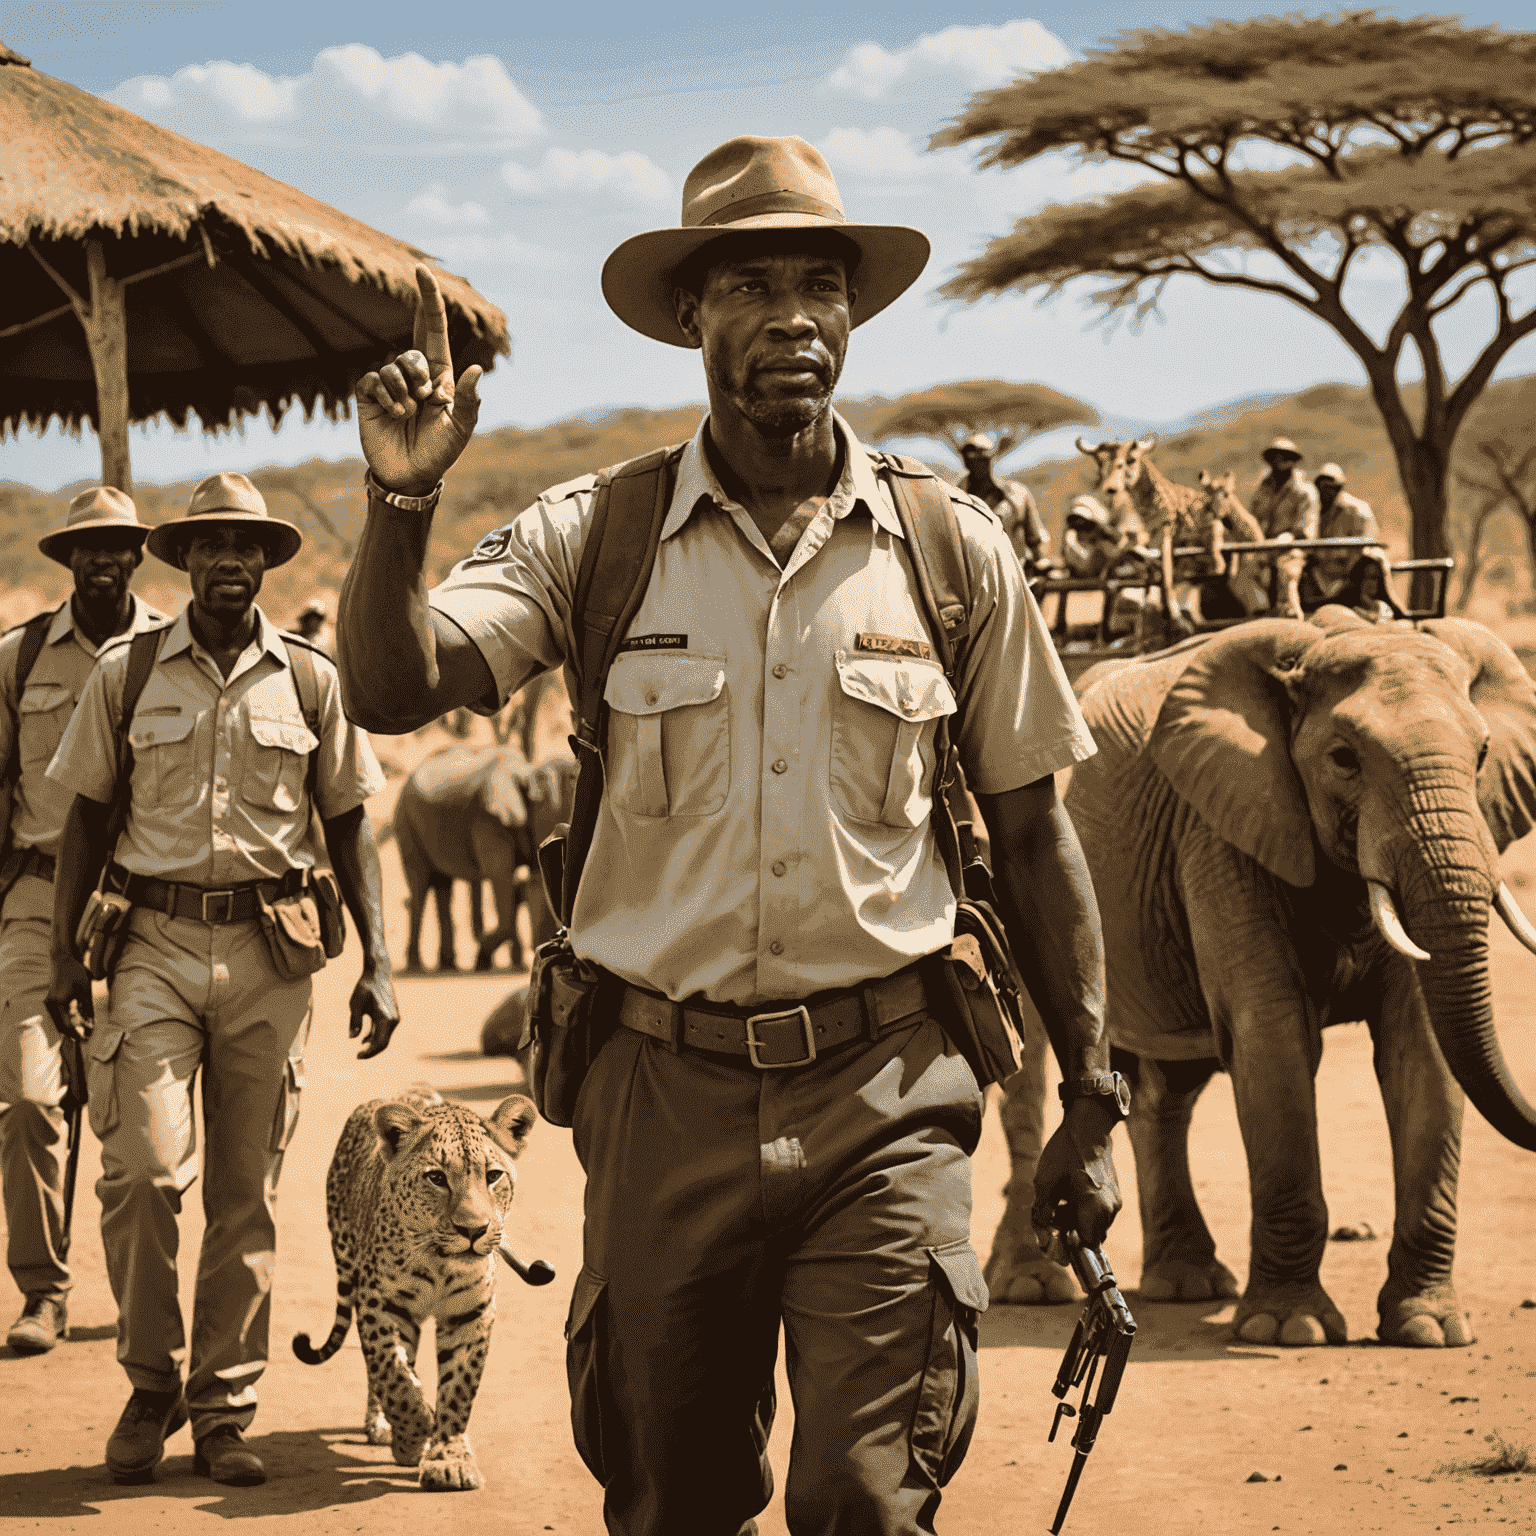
x: 934, y: 547
x: 33, y: 634
x: 629, y: 506
x: 302, y: 660
x: 143, y: 653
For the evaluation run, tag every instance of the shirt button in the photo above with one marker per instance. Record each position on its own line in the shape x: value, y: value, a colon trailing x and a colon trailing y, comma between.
x: 776, y: 948
x: 781, y: 670
x: 781, y: 766
x: 652, y: 696
x: 779, y: 866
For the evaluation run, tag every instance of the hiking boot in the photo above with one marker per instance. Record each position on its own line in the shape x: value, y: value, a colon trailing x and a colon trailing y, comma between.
x: 226, y: 1458
x: 43, y: 1322
x: 138, y: 1442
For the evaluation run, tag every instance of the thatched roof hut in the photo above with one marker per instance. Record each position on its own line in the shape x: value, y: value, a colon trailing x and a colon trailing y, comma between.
x: 134, y: 259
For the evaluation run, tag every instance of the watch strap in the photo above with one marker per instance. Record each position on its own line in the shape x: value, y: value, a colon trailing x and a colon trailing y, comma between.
x: 425, y: 503
x: 1098, y: 1085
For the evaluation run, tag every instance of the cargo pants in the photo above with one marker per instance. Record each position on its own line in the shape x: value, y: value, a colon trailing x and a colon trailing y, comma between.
x: 722, y: 1200
x: 31, y: 1090
x: 190, y: 997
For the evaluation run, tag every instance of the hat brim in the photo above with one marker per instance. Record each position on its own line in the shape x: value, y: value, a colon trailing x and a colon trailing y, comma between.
x: 637, y: 277
x: 57, y: 545
x: 166, y: 541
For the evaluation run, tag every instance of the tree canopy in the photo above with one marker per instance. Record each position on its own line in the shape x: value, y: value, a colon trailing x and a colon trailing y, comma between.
x: 1309, y: 140
x: 1009, y: 412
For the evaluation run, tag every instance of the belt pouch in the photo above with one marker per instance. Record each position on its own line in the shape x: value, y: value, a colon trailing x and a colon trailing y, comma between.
x: 103, y: 928
x: 292, y: 926
x: 983, y: 971
x: 333, y: 916
x: 567, y: 1029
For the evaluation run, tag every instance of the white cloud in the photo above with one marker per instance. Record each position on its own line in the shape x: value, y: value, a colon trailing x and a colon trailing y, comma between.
x: 351, y: 93
x: 629, y: 176
x: 973, y: 58
x: 431, y: 206
x: 877, y: 154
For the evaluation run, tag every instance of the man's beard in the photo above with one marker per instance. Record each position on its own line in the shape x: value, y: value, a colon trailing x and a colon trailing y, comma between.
x: 778, y: 416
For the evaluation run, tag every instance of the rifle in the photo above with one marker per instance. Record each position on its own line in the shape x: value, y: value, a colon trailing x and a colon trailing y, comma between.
x: 1104, y: 1332
x: 73, y: 1058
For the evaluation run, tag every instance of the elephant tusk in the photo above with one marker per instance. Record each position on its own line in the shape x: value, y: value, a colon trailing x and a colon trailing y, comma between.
x: 1515, y: 920
x: 1389, y: 924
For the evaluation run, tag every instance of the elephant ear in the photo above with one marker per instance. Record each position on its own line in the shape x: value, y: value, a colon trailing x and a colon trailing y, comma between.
x: 1503, y: 694
x: 502, y: 791
x: 1223, y: 739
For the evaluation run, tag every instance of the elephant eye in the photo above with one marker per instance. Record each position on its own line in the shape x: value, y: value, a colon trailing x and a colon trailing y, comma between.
x: 1482, y: 755
x: 1344, y: 760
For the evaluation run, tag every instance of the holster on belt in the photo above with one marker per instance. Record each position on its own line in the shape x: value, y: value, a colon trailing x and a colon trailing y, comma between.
x: 102, y: 931
x: 291, y: 922
x: 569, y: 1024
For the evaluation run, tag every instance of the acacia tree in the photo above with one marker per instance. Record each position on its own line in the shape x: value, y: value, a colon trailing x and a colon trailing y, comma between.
x: 1009, y: 412
x: 1407, y: 137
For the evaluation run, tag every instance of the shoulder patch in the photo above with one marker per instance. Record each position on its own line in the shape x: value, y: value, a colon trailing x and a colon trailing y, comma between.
x: 492, y: 547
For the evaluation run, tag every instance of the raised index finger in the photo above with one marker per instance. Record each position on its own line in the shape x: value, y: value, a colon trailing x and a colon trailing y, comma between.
x: 430, y: 332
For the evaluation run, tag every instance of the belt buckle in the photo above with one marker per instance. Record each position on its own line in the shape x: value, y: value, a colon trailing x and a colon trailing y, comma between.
x: 802, y: 1016
x: 228, y: 898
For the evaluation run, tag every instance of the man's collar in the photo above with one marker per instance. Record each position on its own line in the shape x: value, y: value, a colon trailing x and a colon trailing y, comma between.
x: 268, y: 636
x: 696, y: 479
x: 64, y: 625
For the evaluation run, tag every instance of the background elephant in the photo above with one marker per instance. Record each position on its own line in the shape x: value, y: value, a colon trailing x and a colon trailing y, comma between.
x: 463, y: 815
x: 1292, y: 825
x: 549, y: 790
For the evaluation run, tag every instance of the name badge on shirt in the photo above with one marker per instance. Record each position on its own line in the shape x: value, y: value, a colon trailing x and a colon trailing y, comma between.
x: 894, y: 645
x: 655, y: 643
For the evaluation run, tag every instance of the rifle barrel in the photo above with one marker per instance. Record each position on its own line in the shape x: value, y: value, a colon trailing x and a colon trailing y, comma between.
x: 1079, y: 1461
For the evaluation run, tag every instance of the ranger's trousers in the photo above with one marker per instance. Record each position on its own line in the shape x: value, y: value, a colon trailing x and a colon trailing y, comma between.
x: 720, y: 1200
x: 190, y: 996
x: 31, y: 1090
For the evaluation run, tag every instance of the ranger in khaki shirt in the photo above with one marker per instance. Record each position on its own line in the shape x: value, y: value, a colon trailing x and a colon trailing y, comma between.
x: 765, y: 843
x: 218, y: 828
x: 101, y: 543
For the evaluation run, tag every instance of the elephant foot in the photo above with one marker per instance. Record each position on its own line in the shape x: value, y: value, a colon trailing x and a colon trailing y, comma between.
x: 1296, y: 1314
x: 482, y: 962
x: 1427, y: 1319
x: 447, y: 966
x: 1181, y: 1280
x: 1018, y: 1274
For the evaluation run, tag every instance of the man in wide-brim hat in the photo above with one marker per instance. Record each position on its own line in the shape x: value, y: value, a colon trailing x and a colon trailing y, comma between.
x: 777, y: 1126
x: 1012, y: 500
x: 238, y: 744
x: 1286, y: 505
x: 44, y: 665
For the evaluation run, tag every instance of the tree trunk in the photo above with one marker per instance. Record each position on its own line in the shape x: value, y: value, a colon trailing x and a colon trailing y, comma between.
x: 106, y: 333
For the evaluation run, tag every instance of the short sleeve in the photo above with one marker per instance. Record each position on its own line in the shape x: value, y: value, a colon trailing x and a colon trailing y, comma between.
x: 86, y: 760
x: 512, y: 595
x: 1019, y: 719
x: 347, y: 772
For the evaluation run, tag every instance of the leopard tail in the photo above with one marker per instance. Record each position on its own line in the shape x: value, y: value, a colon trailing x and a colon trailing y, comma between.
x: 312, y: 1356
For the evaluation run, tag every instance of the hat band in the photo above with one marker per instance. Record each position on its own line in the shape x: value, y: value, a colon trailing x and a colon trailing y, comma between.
x: 774, y: 202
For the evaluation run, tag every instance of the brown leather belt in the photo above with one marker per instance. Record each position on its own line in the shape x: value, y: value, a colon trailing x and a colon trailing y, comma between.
x: 791, y: 1036
x: 234, y: 904
x: 37, y: 863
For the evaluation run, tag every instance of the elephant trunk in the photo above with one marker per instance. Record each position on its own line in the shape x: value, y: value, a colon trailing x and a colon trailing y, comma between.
x: 1446, y: 885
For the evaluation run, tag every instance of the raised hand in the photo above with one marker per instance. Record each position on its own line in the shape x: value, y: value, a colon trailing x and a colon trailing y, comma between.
x: 411, y: 416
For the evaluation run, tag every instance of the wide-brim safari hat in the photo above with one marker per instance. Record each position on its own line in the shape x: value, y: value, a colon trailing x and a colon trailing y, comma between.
x: 749, y: 184
x: 218, y: 501
x: 1332, y: 472
x: 978, y: 442
x: 1281, y: 445
x: 103, y: 506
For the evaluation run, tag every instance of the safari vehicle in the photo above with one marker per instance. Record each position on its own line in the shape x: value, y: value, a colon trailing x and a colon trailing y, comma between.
x: 1080, y: 643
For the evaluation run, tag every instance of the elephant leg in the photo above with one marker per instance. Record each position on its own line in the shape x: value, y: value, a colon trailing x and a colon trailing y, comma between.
x: 1178, y: 1253
x: 1017, y: 1271
x: 504, y: 888
x: 477, y: 909
x: 417, y: 903
x: 1418, y: 1304
x: 443, y: 891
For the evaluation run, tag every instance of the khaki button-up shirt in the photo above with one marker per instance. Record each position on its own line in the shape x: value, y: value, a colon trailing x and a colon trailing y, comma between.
x: 765, y: 828
x: 1292, y: 509
x: 219, y: 765
x: 33, y: 725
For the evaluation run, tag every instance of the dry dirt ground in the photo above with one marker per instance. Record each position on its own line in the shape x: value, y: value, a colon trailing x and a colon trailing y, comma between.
x: 1355, y: 1438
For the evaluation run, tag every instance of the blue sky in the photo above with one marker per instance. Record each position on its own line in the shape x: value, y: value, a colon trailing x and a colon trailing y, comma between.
x: 521, y: 143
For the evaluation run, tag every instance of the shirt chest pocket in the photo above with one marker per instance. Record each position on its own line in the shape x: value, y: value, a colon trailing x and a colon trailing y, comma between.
x: 42, y: 715
x: 669, y: 734
x: 277, y: 762
x: 164, y: 758
x: 884, y: 722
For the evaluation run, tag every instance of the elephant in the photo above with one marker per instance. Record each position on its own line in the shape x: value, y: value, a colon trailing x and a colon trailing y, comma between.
x: 1291, y: 825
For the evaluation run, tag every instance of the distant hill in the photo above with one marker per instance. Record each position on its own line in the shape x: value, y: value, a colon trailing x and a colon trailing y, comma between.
x: 504, y: 470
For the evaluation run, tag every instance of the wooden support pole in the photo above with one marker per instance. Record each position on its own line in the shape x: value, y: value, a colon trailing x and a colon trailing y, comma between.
x: 106, y: 333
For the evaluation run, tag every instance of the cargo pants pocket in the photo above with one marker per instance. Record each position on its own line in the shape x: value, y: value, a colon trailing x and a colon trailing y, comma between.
x: 585, y: 1364
x: 101, y: 1079
x: 286, y: 1121
x: 948, y: 1398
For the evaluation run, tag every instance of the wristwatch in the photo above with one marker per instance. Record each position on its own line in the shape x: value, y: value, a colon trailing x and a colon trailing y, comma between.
x: 1101, y: 1085
x: 405, y: 503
